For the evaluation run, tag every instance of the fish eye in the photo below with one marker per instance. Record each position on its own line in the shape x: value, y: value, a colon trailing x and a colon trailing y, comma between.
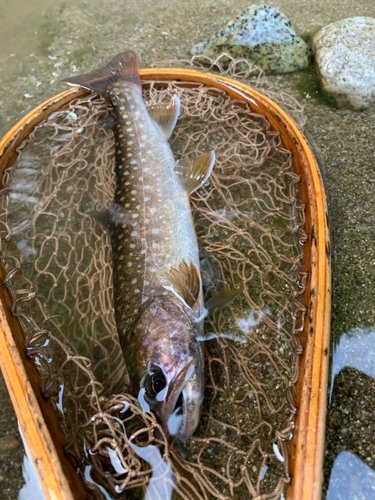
x: 155, y: 384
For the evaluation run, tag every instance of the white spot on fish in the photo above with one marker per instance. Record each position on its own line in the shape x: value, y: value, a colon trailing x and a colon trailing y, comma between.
x: 130, y: 154
x: 122, y: 108
x: 133, y: 233
x: 135, y: 216
x: 130, y: 264
x: 146, y: 169
x: 130, y: 142
x: 140, y: 178
x: 133, y: 192
x: 167, y: 238
x: 128, y: 122
x: 133, y: 162
x: 155, y: 230
x: 147, y: 221
x: 153, y: 210
x: 126, y: 172
x: 132, y: 245
x: 149, y: 152
x: 129, y: 129
x: 127, y: 183
x: 143, y: 136
x: 136, y: 290
x: 127, y: 205
x: 155, y: 245
x: 146, y: 198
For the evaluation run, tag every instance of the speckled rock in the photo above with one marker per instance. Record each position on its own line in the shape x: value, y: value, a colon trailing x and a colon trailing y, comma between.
x: 261, y: 34
x: 344, y: 54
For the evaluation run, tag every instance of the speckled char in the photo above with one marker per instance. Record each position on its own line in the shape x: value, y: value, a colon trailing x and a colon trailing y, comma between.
x: 157, y: 284
x: 151, y: 228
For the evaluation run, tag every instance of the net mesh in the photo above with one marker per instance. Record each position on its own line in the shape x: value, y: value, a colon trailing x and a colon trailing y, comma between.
x: 249, y: 224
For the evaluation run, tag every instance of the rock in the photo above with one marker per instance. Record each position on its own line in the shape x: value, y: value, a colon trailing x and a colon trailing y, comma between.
x: 262, y: 35
x: 344, y: 54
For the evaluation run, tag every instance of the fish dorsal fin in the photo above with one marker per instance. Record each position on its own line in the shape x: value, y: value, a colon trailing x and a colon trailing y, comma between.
x: 114, y: 214
x: 193, y: 174
x: 166, y: 115
x: 186, y: 283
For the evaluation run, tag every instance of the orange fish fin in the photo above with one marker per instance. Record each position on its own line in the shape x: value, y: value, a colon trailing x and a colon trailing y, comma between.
x: 186, y: 282
x: 193, y: 174
x: 165, y: 115
x: 123, y: 67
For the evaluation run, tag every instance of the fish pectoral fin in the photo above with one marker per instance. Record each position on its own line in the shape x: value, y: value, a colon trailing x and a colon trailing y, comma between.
x: 113, y: 214
x: 165, y: 115
x: 221, y: 299
x: 193, y: 174
x: 186, y: 282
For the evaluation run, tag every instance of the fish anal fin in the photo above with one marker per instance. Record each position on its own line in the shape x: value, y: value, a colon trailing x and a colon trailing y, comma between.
x: 165, y: 115
x: 123, y: 67
x: 186, y: 283
x: 194, y: 174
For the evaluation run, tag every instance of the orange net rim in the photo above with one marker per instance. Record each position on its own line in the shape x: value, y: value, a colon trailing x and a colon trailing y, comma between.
x: 307, y: 445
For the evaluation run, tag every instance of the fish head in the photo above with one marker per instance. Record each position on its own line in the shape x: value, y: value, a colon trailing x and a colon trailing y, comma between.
x: 166, y: 364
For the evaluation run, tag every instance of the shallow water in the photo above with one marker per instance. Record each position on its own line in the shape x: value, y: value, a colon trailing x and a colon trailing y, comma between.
x: 79, y: 34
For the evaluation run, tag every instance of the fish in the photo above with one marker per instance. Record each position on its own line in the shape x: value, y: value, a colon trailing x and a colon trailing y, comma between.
x: 157, y: 285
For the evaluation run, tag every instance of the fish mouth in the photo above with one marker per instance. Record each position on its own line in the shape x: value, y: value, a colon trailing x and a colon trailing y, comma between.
x: 182, y: 409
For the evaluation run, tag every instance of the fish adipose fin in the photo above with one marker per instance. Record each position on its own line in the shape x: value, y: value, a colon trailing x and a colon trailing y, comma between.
x: 123, y: 67
x: 193, y: 174
x: 186, y: 283
x: 165, y: 115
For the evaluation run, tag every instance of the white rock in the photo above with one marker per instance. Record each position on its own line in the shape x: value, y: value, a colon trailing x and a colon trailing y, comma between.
x: 344, y: 54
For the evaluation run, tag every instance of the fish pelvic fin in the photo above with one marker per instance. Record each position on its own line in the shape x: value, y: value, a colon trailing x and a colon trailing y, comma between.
x: 123, y: 67
x: 186, y: 283
x: 193, y: 174
x: 165, y: 115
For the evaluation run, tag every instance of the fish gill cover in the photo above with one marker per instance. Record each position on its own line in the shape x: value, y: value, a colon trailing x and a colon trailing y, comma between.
x: 249, y: 224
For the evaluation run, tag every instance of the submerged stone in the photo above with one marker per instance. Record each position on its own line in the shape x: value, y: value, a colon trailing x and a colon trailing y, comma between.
x: 345, y: 61
x: 262, y: 35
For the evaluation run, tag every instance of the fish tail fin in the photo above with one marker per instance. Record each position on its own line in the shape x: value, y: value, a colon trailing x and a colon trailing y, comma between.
x: 123, y: 67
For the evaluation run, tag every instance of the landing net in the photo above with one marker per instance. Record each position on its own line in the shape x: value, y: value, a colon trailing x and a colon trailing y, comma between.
x: 249, y: 224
